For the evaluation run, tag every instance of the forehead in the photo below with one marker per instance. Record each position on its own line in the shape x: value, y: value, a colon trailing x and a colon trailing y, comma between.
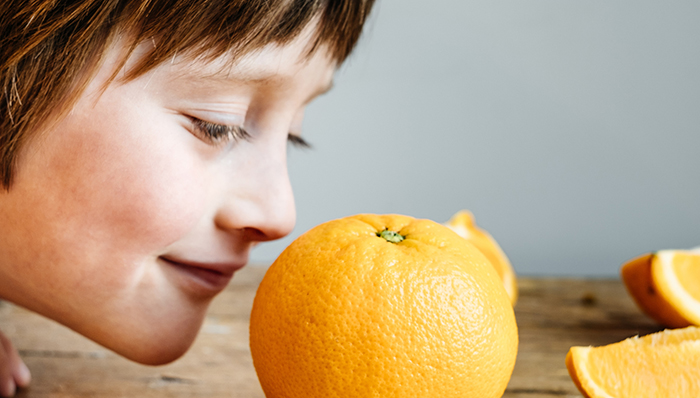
x: 267, y: 65
x: 272, y: 63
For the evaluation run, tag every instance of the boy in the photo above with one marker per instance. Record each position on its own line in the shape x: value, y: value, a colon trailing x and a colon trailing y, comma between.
x: 143, y: 153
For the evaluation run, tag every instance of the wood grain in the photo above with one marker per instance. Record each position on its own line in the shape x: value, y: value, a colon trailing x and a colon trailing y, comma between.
x: 553, y: 314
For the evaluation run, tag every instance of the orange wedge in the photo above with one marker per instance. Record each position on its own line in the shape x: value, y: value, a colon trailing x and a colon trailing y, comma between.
x: 463, y: 224
x: 663, y: 364
x: 666, y: 286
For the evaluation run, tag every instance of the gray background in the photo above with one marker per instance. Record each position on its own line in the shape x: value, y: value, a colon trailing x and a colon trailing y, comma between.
x: 570, y: 129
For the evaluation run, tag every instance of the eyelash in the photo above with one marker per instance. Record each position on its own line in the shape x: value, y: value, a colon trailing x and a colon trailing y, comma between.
x: 298, y: 142
x: 218, y: 134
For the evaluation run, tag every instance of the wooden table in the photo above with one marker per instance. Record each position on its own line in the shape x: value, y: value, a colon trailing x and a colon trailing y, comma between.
x: 553, y: 314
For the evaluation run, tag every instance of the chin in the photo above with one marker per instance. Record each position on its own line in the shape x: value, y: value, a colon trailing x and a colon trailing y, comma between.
x: 159, y: 350
x: 160, y: 356
x: 156, y: 343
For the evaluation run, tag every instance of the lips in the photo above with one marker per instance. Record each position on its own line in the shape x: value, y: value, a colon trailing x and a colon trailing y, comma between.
x: 203, y: 278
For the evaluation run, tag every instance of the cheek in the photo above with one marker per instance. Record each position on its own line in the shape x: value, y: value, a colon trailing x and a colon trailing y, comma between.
x: 121, y: 187
x: 149, y: 201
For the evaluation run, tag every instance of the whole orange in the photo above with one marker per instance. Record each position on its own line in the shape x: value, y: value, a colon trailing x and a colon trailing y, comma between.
x: 382, y: 306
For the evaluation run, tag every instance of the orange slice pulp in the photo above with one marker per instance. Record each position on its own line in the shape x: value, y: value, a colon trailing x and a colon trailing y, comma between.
x: 666, y: 286
x: 663, y: 364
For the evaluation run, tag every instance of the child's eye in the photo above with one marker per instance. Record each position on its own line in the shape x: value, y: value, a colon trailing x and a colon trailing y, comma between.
x: 218, y: 134
x: 298, y: 142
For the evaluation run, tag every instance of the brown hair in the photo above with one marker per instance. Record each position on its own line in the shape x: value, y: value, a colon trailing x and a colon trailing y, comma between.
x: 49, y: 49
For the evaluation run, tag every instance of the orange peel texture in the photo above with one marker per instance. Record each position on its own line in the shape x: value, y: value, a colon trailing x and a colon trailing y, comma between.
x: 351, y: 310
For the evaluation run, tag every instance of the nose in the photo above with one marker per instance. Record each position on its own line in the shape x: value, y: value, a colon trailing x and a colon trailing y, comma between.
x: 258, y: 199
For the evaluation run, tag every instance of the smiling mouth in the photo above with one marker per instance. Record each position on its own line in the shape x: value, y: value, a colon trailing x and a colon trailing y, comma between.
x: 203, y: 278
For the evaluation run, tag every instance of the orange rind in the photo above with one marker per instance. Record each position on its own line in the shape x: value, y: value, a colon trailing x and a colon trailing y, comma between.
x: 382, y: 306
x: 666, y: 286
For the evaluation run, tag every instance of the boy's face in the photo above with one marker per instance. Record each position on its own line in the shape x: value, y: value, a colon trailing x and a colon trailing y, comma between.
x: 125, y: 219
